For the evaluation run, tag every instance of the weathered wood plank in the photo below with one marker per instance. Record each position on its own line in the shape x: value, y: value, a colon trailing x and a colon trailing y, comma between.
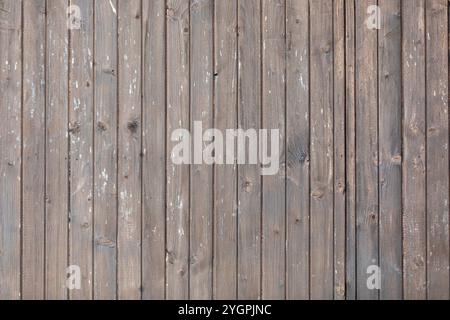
x: 10, y: 146
x: 154, y: 150
x: 33, y: 154
x: 81, y: 165
x: 414, y: 148
x: 437, y: 134
x: 129, y: 150
x: 225, y: 176
x: 390, y: 148
x: 366, y: 149
x: 273, y: 117
x: 339, y: 149
x: 201, y: 183
x: 297, y: 149
x: 322, y: 178
x: 57, y: 146
x: 249, y: 179
x: 105, y: 150
x: 178, y: 177
x: 350, y: 152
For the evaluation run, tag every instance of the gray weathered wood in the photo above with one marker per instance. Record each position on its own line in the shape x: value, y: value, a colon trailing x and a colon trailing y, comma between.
x: 225, y: 176
x: 350, y: 151
x: 339, y: 149
x: 249, y: 179
x: 10, y: 146
x: 414, y: 148
x: 57, y: 147
x: 322, y: 150
x: 154, y: 152
x: 297, y: 149
x: 437, y: 134
x: 33, y: 153
x: 273, y: 117
x: 81, y: 112
x: 366, y: 109
x: 129, y: 150
x: 105, y: 150
x: 390, y: 149
x: 178, y: 177
x: 201, y: 183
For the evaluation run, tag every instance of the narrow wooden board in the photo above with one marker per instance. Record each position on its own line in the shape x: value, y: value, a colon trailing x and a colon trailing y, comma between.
x: 350, y: 151
x: 437, y: 134
x: 249, y: 179
x: 105, y: 150
x: 225, y: 176
x: 154, y: 149
x: 339, y: 149
x: 322, y: 150
x: 367, y: 161
x: 201, y: 183
x: 10, y: 146
x: 178, y: 177
x: 414, y: 150
x: 81, y: 113
x: 33, y: 153
x: 390, y: 149
x: 57, y: 148
x: 129, y: 150
x: 273, y: 117
x: 297, y: 149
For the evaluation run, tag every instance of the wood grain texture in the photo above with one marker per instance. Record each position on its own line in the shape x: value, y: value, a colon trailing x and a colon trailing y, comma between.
x: 33, y: 152
x: 322, y: 151
x: 10, y: 144
x: 225, y: 177
x: 81, y: 112
x: 414, y: 150
x: 129, y: 150
x: 297, y: 149
x: 178, y: 176
x: 366, y: 108
x: 154, y: 150
x: 105, y: 150
x: 92, y: 108
x: 201, y: 182
x: 390, y: 149
x: 249, y: 179
x: 437, y: 135
x: 339, y: 114
x: 57, y: 150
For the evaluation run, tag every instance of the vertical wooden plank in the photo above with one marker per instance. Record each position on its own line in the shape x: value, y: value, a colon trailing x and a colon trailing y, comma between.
x: 81, y: 147
x: 201, y: 196
x: 57, y: 161
x: 366, y: 149
x: 273, y: 117
x: 225, y: 176
x: 321, y: 150
x: 105, y: 149
x: 177, y: 192
x: 129, y: 150
x: 437, y: 149
x: 390, y: 148
x: 414, y: 147
x: 33, y: 167
x: 10, y: 144
x: 297, y: 149
x: 154, y: 150
x: 350, y: 152
x: 339, y: 148
x: 249, y: 179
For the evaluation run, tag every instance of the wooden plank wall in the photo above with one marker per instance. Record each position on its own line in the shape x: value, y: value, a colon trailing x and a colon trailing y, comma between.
x: 87, y: 117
